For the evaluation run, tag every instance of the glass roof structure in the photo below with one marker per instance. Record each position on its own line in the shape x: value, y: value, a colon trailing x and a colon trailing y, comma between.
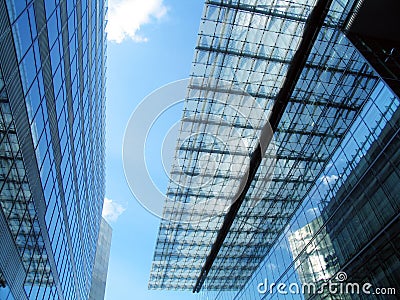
x: 244, y: 52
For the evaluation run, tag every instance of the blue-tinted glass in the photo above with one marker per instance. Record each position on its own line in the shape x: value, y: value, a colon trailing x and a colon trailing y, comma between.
x: 22, y: 35
x: 15, y: 7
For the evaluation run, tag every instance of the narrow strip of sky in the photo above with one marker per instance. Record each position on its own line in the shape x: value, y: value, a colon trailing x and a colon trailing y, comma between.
x: 150, y: 43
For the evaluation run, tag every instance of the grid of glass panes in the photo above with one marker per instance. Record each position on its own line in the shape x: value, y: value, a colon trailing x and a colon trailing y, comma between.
x: 253, y: 44
x: 375, y: 127
x: 308, y: 133
x: 216, y: 105
x: 17, y: 204
x: 62, y: 70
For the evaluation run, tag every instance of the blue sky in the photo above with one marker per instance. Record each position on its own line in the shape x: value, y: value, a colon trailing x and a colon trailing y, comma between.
x: 151, y: 43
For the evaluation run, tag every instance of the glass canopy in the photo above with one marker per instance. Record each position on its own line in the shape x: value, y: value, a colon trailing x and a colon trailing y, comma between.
x: 241, y: 60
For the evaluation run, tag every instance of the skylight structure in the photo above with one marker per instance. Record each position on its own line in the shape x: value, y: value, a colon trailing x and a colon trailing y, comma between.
x: 247, y: 97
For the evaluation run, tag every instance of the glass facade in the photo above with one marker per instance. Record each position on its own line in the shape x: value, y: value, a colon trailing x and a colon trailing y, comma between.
x: 353, y: 210
x: 99, y: 277
x: 318, y: 265
x: 52, y: 108
x: 336, y: 128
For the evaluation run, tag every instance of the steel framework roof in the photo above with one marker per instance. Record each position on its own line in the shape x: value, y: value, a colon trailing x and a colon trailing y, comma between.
x: 244, y: 53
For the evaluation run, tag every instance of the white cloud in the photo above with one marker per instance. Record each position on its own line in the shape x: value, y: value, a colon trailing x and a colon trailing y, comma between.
x: 112, y: 210
x: 125, y: 17
x: 271, y: 266
x: 313, y: 212
x: 328, y: 179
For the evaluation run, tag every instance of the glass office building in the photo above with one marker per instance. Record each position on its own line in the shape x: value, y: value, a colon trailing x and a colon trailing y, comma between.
x: 100, y: 269
x: 324, y: 85
x: 52, y: 108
